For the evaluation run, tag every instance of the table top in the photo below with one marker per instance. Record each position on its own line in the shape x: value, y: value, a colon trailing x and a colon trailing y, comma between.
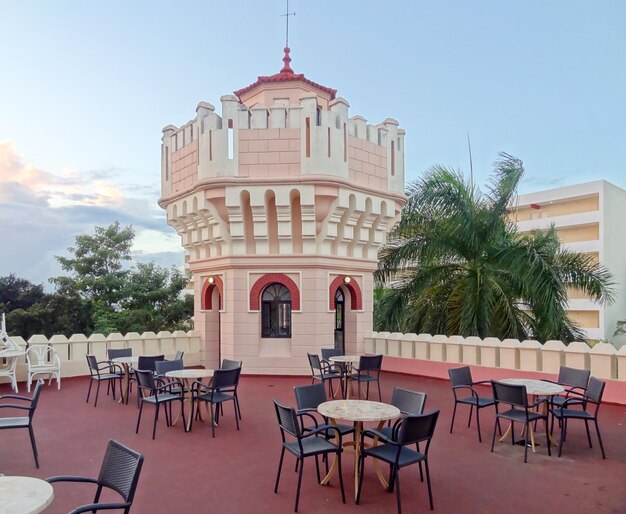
x: 190, y: 373
x: 345, y: 358
x: 358, y: 410
x: 131, y: 359
x: 536, y: 387
x: 26, y: 495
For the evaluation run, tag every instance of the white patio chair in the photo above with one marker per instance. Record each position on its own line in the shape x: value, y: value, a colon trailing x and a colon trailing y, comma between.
x: 8, y: 370
x: 42, y: 359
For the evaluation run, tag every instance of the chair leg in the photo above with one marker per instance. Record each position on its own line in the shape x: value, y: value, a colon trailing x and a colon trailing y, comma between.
x: 280, y: 467
x: 97, y: 393
x: 397, y: 481
x: 89, y: 391
x: 317, y: 469
x: 361, y: 465
x: 34, y: 445
x: 212, y: 419
x: 480, y: 440
x: 343, y: 494
x: 430, y: 492
x: 28, y: 382
x: 139, y: 417
x: 182, y: 412
x: 528, y: 428
x: 469, y: 418
x: 380, y: 397
x: 599, y: 438
x: 236, y: 416
x: 299, y: 484
x: 156, y: 418
x: 453, y: 416
x: 493, y: 438
x: 548, y: 438
x: 562, y: 438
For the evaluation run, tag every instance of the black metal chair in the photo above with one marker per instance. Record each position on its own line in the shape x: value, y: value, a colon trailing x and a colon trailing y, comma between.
x: 410, y: 403
x: 114, y: 353
x: 461, y: 380
x: 219, y: 390
x: 120, y: 471
x: 23, y: 421
x: 308, y: 398
x: 148, y: 362
x: 232, y: 364
x: 162, y: 367
x: 395, y: 450
x: 103, y: 371
x: 574, y: 380
x: 367, y: 372
x: 324, y: 373
x: 306, y: 444
x: 327, y: 353
x: 155, y: 392
x: 581, y: 402
x: 520, y: 411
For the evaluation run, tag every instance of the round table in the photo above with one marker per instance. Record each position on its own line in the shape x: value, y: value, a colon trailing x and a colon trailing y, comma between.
x: 127, y: 363
x: 358, y: 411
x: 9, y: 370
x: 345, y: 362
x: 186, y: 375
x: 26, y: 495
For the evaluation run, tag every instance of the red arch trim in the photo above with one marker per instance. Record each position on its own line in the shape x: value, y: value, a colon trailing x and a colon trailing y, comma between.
x: 270, y: 278
x: 207, y: 293
x: 356, y: 298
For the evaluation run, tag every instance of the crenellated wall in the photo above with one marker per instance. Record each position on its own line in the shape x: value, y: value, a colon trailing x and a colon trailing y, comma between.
x: 425, y: 354
x: 72, y: 351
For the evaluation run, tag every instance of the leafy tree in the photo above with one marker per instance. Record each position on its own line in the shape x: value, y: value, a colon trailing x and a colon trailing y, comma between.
x: 18, y: 293
x: 97, y: 265
x: 455, y: 264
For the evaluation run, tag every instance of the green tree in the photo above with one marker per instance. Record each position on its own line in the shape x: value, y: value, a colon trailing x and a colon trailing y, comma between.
x: 455, y: 264
x: 18, y: 293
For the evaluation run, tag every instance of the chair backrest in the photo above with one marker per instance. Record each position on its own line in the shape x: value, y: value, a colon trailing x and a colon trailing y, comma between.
x: 230, y: 364
x: 460, y: 376
x: 370, y: 362
x: 92, y: 362
x: 287, y: 420
x: 41, y: 354
x: 35, y: 398
x: 418, y: 428
x: 179, y: 355
x: 595, y: 389
x: 225, y: 378
x: 573, y: 377
x: 314, y: 362
x: 409, y: 402
x: 114, y: 353
x: 310, y: 396
x: 147, y: 362
x: 145, y: 380
x: 162, y: 367
x: 327, y: 353
x: 120, y: 469
x: 509, y: 393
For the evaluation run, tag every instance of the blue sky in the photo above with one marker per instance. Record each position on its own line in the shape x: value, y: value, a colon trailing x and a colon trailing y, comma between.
x: 87, y: 87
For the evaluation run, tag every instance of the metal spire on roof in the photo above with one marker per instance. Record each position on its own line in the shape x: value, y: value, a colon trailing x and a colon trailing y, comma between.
x: 286, y: 15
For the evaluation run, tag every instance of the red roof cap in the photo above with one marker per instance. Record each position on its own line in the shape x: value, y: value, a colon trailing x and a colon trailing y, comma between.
x: 286, y: 74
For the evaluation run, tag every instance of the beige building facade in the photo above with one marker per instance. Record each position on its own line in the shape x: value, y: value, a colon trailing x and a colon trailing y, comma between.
x: 589, y: 218
x: 282, y: 202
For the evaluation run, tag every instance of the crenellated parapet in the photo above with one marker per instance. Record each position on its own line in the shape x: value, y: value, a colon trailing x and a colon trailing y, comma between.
x: 282, y: 140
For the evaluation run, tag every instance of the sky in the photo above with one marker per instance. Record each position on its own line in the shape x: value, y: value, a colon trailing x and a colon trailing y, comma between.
x: 86, y: 87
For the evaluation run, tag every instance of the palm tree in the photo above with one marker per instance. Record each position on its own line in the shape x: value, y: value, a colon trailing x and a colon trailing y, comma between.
x: 455, y: 264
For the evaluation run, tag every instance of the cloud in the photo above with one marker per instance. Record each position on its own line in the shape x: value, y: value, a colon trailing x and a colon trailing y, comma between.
x: 41, y: 213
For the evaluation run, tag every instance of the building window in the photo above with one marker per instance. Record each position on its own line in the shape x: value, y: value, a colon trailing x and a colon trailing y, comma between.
x: 276, y: 311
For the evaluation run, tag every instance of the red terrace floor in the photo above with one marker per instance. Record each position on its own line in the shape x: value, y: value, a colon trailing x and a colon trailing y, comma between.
x: 234, y: 473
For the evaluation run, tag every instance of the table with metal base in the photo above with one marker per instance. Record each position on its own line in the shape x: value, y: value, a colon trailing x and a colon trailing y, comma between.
x: 187, y: 375
x: 127, y: 363
x: 358, y: 411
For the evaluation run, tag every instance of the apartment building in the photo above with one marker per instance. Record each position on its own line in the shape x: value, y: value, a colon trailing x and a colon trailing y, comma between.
x: 589, y: 218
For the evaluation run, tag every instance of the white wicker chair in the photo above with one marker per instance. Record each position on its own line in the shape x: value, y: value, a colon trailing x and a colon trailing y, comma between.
x: 43, y: 359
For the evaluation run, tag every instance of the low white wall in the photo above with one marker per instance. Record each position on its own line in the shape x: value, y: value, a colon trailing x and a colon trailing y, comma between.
x: 603, y: 360
x: 72, y: 351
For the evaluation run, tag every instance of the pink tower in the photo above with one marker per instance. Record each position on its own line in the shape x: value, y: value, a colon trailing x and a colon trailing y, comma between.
x: 282, y: 204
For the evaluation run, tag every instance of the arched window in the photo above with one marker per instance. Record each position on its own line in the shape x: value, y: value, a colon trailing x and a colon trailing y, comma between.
x: 276, y: 311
